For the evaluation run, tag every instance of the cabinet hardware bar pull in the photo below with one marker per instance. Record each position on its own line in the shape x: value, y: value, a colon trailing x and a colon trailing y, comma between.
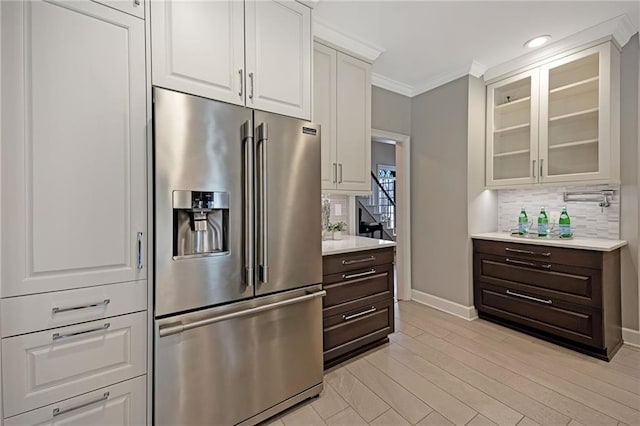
x: 59, y: 412
x: 136, y: 2
x: 58, y: 310
x: 340, y: 180
x: 353, y: 262
x: 251, y: 85
x: 241, y: 84
x: 140, y: 265
x: 533, y: 253
x: 359, y: 314
x: 57, y: 336
x: 534, y: 168
x: 524, y: 296
x: 541, y: 168
x: 533, y: 265
x: 335, y: 172
x: 173, y: 328
x: 361, y: 274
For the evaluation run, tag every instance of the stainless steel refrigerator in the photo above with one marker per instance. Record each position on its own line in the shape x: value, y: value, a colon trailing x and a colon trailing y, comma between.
x: 238, y: 262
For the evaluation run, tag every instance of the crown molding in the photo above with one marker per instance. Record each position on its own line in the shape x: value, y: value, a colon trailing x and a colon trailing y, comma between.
x: 477, y: 69
x: 619, y: 29
x: 391, y: 85
x: 345, y: 42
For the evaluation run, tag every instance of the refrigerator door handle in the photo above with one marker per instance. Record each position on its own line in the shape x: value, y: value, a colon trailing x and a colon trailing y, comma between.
x: 173, y: 328
x: 249, y: 202
x: 263, y: 138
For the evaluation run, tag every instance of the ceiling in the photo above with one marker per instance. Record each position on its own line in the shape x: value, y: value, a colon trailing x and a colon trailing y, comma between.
x: 425, y: 41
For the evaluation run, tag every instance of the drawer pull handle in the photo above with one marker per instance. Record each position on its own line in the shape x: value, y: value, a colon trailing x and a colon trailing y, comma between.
x: 359, y: 314
x: 59, y: 412
x: 533, y: 265
x: 532, y: 253
x: 57, y: 310
x: 58, y: 336
x: 535, y: 299
x: 361, y: 274
x: 353, y: 262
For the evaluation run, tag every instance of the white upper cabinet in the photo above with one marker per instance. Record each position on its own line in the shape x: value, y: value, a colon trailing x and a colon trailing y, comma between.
x: 74, y: 146
x: 278, y: 57
x: 342, y: 106
x: 559, y: 122
x: 255, y: 53
x: 198, y: 48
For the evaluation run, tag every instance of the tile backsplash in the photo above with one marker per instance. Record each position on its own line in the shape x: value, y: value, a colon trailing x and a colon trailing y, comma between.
x: 588, y: 220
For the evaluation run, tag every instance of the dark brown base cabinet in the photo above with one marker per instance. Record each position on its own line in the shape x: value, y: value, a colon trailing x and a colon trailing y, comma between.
x: 358, y: 308
x: 567, y: 296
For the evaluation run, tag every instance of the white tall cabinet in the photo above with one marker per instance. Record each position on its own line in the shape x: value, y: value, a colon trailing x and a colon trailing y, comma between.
x: 557, y: 122
x: 255, y: 53
x: 342, y: 106
x: 74, y: 208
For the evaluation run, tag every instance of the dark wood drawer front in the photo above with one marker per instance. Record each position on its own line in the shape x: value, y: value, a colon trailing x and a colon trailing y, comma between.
x: 339, y: 263
x: 345, y: 287
x: 541, y: 254
x: 351, y: 330
x: 569, y: 283
x: 578, y: 323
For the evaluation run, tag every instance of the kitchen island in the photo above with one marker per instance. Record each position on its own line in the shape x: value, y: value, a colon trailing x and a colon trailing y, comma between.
x: 358, y: 310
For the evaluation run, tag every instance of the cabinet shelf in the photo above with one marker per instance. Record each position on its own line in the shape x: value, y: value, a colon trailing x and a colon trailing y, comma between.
x: 573, y: 114
x: 513, y: 104
x: 577, y: 87
x: 511, y: 153
x: 570, y: 144
x: 512, y: 128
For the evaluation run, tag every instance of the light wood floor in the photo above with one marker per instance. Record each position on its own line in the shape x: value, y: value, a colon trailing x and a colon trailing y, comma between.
x: 443, y: 370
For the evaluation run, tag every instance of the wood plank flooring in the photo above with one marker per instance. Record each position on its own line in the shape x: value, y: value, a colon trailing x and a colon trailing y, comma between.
x: 442, y: 370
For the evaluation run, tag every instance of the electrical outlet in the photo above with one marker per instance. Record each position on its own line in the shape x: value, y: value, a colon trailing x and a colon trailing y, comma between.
x: 337, y: 210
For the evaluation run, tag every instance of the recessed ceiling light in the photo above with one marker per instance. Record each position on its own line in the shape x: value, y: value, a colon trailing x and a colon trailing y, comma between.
x: 537, y: 41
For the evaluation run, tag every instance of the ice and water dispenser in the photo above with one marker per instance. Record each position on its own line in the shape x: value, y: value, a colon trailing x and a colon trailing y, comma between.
x: 200, y: 223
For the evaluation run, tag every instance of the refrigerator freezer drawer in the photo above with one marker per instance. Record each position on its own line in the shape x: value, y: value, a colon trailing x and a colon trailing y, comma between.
x: 226, y: 365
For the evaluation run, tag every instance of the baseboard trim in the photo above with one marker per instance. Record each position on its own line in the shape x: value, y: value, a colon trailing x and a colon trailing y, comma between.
x: 468, y: 313
x: 631, y: 337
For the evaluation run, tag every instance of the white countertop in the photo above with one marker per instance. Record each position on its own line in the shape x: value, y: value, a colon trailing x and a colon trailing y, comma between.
x: 576, y: 243
x: 351, y: 243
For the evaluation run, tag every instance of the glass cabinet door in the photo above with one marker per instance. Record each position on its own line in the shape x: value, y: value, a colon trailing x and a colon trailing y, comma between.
x: 574, y: 141
x: 512, y: 130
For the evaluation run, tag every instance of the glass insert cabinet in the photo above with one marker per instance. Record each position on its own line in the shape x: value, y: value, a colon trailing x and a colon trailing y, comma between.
x: 556, y: 122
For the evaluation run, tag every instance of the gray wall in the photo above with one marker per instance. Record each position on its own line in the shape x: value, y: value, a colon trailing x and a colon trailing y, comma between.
x: 629, y: 177
x: 390, y: 111
x: 382, y: 153
x: 438, y: 192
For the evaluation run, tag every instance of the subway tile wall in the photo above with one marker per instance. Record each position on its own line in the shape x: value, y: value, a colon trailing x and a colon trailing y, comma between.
x: 588, y: 220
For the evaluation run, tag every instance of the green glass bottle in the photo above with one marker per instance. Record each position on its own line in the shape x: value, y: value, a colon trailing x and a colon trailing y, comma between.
x: 543, y: 223
x: 523, y: 222
x: 564, y: 224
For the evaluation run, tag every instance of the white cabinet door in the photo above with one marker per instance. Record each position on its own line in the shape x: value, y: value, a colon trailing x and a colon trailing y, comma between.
x: 198, y: 48
x: 512, y: 130
x: 122, y: 404
x: 50, y: 366
x: 324, y: 110
x: 354, y: 124
x: 74, y: 146
x: 579, y: 110
x: 278, y: 55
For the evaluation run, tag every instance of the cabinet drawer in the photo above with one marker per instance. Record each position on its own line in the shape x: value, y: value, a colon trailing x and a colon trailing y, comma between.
x: 577, y: 323
x: 543, y: 254
x: 49, y: 366
x: 345, y: 287
x: 581, y: 286
x: 339, y: 263
x: 26, y: 314
x: 346, y: 332
x: 121, y: 404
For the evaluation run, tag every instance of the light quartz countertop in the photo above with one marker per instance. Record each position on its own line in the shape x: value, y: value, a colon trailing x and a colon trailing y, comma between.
x: 576, y: 243
x: 351, y: 243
